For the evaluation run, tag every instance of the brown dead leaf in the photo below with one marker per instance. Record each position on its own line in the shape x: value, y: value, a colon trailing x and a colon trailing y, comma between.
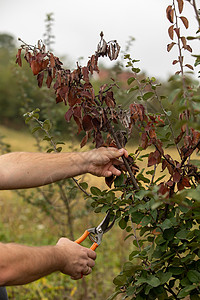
x: 171, y: 32
x: 180, y: 6
x: 170, y: 46
x: 185, y: 21
x: 170, y: 14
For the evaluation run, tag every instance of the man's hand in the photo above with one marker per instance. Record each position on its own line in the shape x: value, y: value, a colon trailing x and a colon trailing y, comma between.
x: 75, y: 260
x: 101, y: 161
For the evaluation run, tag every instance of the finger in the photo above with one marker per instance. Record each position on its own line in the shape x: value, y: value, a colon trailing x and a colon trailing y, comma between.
x: 123, y: 151
x: 114, y: 171
x: 107, y: 173
x: 87, y: 271
x: 117, y: 162
x: 77, y: 276
x: 91, y: 263
x: 92, y: 254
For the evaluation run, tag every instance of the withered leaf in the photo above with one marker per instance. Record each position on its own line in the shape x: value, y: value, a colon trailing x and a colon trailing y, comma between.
x: 77, y: 111
x: 175, y: 62
x: 170, y: 46
x: 78, y: 122
x: 171, y: 32
x: 40, y: 78
x: 49, y: 78
x: 63, y: 92
x: 92, y: 64
x: 87, y: 122
x: 144, y: 140
x: 189, y: 48
x: 170, y: 13
x: 163, y: 189
x: 84, y: 140
x: 98, y: 139
x: 186, y: 181
x: 18, y: 56
x: 185, y: 21
x: 154, y: 158
x: 179, y: 137
x: 195, y: 136
x: 109, y: 99
x: 69, y: 114
x: 58, y: 98
x: 189, y: 66
x: 180, y: 6
x: 177, y: 30
x: 85, y: 73
x: 152, y: 133
x: 52, y: 60
x: 177, y: 175
x: 96, y: 124
x: 73, y: 97
x: 109, y: 180
x: 35, y: 67
x: 184, y: 42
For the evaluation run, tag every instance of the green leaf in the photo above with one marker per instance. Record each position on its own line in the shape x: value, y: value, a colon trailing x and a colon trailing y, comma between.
x: 166, y: 224
x: 47, y: 138
x: 168, y: 234
x: 140, y: 177
x: 159, y: 178
x: 136, y: 70
x: 146, y: 220
x: 128, y: 268
x: 182, y: 234
x: 59, y: 149
x: 95, y: 191
x: 130, y: 80
x: 50, y: 150
x: 35, y: 129
x: 186, y: 291
x: 136, y: 87
x: 176, y: 270
x: 193, y: 276
x: 168, y: 113
x: 147, y: 95
x: 98, y: 209
x: 137, y: 217
x: 120, y: 280
x: 84, y: 185
x: 151, y: 280
x: 47, y: 125
x: 113, y: 296
x: 119, y: 180
x: 130, y: 290
x: 164, y: 277
x: 122, y: 223
x: 194, y: 297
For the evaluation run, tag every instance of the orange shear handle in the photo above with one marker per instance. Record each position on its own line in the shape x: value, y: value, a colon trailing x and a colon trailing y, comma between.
x: 83, y: 237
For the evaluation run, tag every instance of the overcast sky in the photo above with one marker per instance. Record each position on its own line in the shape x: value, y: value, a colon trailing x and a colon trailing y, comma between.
x: 78, y: 24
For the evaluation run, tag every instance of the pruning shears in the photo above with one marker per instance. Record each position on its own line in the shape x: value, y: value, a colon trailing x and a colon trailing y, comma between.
x: 96, y: 233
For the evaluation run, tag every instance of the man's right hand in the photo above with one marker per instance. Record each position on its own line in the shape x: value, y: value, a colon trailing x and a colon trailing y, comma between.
x: 75, y: 260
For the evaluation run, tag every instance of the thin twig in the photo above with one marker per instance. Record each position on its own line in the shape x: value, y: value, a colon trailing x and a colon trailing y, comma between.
x: 84, y: 191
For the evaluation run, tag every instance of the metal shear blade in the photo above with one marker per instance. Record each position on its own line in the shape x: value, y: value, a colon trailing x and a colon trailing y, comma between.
x: 104, y: 224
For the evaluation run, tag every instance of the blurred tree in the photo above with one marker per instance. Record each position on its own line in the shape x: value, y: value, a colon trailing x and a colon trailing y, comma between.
x: 7, y: 41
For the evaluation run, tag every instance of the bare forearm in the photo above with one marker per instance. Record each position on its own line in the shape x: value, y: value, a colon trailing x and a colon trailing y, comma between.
x: 26, y: 170
x: 22, y: 264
